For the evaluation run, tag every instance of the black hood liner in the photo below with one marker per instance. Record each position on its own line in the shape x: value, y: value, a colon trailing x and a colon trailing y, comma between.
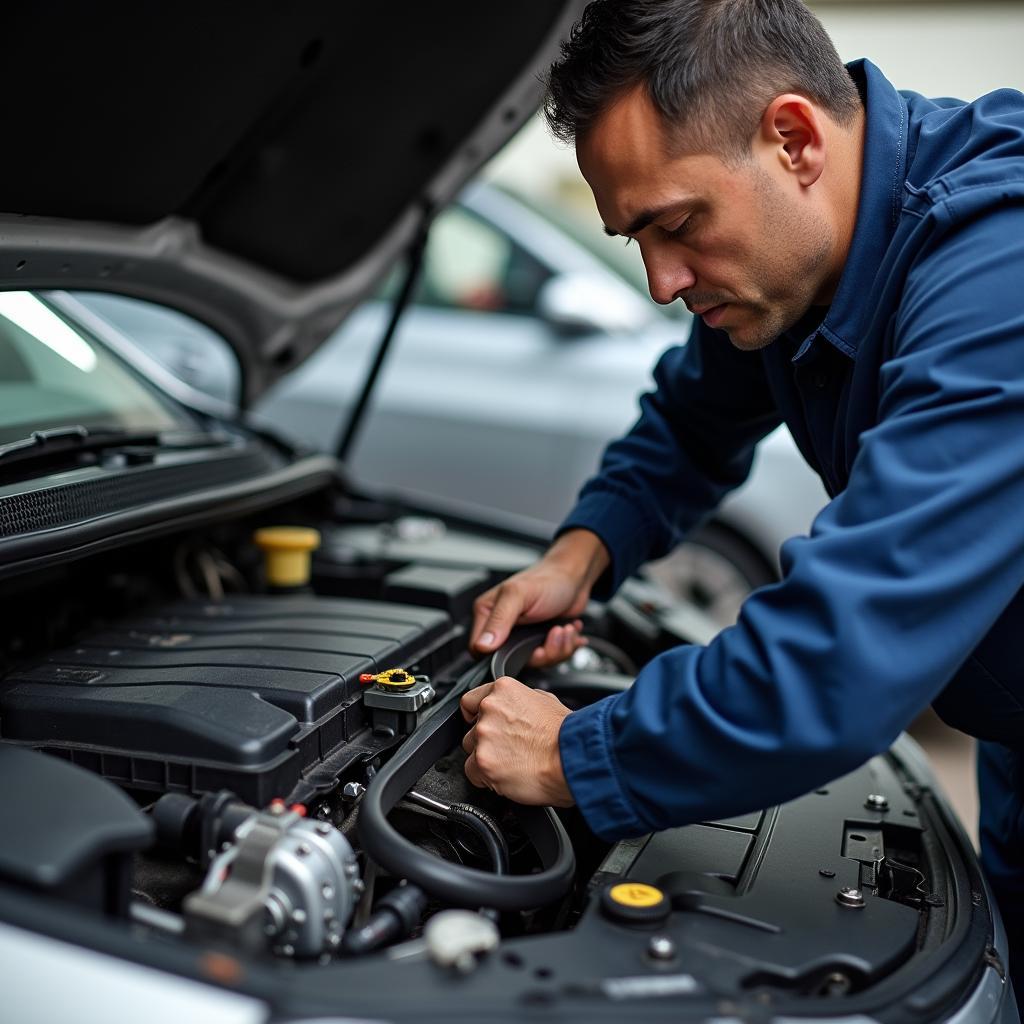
x: 293, y: 134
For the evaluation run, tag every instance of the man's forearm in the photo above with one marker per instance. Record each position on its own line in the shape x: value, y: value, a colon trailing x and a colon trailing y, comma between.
x: 582, y: 554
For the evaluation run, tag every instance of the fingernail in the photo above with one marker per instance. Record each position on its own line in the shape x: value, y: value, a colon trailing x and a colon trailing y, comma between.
x: 486, y: 639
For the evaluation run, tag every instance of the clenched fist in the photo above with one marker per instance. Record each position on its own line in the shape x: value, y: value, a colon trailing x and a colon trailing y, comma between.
x: 513, y: 744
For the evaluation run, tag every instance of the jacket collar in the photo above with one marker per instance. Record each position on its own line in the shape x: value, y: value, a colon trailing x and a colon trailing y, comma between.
x: 881, y: 189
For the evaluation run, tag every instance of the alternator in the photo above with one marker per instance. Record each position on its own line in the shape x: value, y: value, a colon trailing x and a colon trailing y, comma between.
x: 284, y: 882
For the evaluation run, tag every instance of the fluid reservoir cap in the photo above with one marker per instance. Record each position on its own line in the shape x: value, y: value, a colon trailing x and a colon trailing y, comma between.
x: 635, y: 903
x: 286, y: 551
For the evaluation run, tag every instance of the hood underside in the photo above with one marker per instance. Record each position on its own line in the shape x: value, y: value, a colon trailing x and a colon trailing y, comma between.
x: 260, y: 165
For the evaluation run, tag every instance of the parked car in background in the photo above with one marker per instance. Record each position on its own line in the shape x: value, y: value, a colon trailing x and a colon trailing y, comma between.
x: 521, y: 356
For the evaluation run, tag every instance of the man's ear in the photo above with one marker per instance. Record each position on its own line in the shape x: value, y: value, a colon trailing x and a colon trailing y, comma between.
x: 792, y: 126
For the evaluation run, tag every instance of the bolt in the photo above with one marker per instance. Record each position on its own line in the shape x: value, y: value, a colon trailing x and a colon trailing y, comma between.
x: 876, y: 802
x: 334, y: 940
x: 351, y: 869
x: 850, y: 897
x: 327, y: 891
x: 288, y: 950
x: 323, y: 829
x: 224, y: 847
x: 836, y: 984
x: 359, y: 887
x: 353, y: 790
x: 324, y: 810
x: 299, y: 916
x: 661, y: 947
x: 826, y: 873
x: 304, y: 849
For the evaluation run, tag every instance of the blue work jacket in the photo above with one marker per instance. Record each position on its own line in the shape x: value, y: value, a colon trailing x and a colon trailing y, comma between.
x: 908, y: 400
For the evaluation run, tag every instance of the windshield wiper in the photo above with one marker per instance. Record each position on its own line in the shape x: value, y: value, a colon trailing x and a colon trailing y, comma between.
x: 45, y: 445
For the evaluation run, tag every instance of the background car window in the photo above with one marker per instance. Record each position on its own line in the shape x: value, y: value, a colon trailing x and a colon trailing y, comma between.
x: 52, y: 375
x: 193, y: 352
x: 471, y: 266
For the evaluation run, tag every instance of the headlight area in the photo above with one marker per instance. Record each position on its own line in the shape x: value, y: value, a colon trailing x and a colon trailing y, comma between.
x: 254, y: 778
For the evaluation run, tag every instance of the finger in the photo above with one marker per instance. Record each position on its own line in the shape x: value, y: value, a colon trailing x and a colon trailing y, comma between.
x: 482, y: 608
x: 473, y: 772
x: 469, y: 741
x: 504, y: 615
x: 547, y: 653
x: 470, y: 703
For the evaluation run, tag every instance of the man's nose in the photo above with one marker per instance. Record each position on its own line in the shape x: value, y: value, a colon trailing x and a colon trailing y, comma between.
x: 668, y: 273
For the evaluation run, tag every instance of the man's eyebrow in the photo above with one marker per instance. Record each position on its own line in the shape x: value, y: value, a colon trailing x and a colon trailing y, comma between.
x: 645, y: 217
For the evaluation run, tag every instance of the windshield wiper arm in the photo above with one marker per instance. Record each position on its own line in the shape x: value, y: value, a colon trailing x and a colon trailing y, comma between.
x: 42, y: 444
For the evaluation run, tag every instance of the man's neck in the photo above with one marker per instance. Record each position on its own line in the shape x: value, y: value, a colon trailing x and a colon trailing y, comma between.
x: 846, y: 162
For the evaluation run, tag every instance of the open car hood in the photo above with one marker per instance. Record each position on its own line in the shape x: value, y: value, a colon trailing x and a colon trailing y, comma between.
x: 256, y: 166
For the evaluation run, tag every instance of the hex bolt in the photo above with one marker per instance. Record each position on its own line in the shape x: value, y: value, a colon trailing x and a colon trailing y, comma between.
x: 353, y: 790
x: 850, y: 897
x: 661, y: 947
x: 304, y: 849
x: 327, y: 891
x: 323, y: 829
x: 299, y: 916
x: 876, y: 802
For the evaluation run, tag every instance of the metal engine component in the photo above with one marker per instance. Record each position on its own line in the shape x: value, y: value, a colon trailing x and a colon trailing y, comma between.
x: 284, y: 882
x: 455, y: 938
x: 395, y: 700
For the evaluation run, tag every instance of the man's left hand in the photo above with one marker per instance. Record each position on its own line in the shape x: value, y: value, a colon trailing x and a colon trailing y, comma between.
x: 513, y: 742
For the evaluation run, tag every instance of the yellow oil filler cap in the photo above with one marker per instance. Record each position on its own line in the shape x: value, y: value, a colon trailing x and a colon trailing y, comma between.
x: 286, y: 553
x: 635, y: 903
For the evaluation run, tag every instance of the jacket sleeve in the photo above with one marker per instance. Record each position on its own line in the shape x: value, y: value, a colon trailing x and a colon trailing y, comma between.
x: 694, y: 442
x: 902, y: 576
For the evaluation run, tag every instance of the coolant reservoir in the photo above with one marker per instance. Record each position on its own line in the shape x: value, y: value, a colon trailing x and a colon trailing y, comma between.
x: 287, y: 551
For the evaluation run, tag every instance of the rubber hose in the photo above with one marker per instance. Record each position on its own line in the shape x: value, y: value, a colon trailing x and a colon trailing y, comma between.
x: 458, y: 885
x: 467, y: 815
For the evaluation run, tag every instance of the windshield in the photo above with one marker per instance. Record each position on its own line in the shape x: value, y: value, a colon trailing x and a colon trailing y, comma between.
x: 52, y: 375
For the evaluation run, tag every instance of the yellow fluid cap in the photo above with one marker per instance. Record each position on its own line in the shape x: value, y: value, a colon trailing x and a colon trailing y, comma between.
x: 286, y: 551
x: 396, y: 679
x: 635, y: 903
x: 636, y: 894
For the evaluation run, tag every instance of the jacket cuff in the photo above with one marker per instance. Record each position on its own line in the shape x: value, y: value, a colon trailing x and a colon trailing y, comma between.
x: 588, y: 764
x: 624, y: 530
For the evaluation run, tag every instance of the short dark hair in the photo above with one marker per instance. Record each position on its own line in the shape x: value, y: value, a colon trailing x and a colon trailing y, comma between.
x: 710, y: 67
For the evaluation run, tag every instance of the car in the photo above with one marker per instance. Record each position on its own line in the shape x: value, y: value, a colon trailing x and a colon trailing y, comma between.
x: 230, y: 734
x: 555, y: 348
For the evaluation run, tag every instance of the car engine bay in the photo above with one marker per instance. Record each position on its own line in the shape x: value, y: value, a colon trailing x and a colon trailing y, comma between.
x: 274, y: 773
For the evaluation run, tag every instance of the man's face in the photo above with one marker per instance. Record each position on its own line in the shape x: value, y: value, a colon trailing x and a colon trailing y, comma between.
x: 740, y: 245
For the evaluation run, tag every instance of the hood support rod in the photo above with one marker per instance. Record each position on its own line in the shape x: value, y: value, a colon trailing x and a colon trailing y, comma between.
x: 414, y: 257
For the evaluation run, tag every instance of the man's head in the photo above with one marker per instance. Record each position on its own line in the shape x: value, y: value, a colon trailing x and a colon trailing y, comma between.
x: 724, y: 136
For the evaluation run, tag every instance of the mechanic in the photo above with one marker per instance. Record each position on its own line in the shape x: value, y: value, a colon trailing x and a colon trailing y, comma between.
x: 854, y: 256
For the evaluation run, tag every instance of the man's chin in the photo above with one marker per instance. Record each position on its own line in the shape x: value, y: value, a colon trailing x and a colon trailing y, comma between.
x: 747, y: 337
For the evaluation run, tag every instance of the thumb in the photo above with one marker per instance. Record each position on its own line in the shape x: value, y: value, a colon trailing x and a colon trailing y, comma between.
x: 504, y: 615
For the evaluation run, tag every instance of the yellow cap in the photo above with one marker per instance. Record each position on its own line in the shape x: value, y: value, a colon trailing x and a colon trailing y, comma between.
x: 286, y: 551
x: 396, y: 679
x: 636, y: 894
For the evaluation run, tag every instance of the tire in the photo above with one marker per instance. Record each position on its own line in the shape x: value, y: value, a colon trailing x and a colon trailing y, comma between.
x: 714, y: 570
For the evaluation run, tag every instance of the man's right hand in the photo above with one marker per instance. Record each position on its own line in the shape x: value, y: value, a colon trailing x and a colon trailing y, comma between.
x: 558, y: 585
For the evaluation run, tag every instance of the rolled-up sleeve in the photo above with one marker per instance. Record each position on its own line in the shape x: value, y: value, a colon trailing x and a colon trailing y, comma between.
x: 902, y: 576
